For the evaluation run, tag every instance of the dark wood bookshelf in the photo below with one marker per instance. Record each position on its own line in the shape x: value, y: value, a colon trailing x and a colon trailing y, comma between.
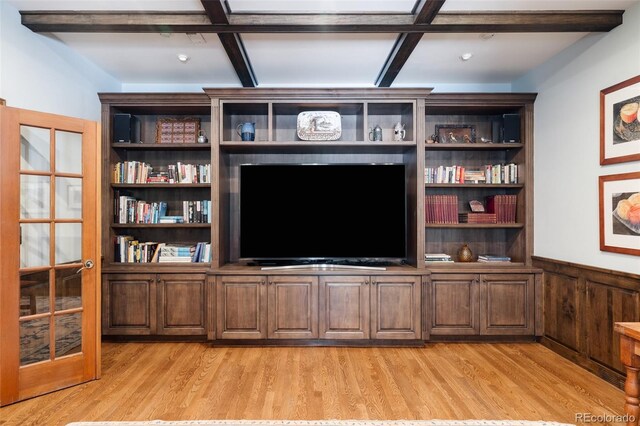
x: 472, y: 146
x: 475, y: 225
x: 163, y: 146
x: 161, y: 225
x: 474, y: 185
x: 160, y: 185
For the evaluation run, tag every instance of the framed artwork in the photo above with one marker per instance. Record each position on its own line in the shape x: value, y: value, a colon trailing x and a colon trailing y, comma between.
x: 456, y: 133
x: 620, y: 213
x: 620, y: 122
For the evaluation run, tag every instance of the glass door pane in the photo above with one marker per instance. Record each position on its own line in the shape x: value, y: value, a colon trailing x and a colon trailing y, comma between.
x: 51, y: 296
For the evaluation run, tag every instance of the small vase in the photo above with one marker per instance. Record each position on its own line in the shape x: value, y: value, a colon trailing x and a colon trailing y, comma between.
x: 465, y: 254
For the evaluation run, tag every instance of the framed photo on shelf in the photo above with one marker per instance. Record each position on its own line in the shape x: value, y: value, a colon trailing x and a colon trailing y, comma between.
x: 456, y: 133
x: 620, y: 122
x: 620, y: 213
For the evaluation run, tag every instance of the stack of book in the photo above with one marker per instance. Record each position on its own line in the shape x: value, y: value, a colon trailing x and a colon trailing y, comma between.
x: 504, y: 207
x: 174, y: 253
x: 441, y: 209
x: 171, y: 219
x: 489, y: 258
x: 477, y: 218
x: 490, y: 173
x: 437, y: 257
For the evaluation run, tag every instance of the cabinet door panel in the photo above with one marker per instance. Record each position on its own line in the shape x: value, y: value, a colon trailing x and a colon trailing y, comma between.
x: 506, y: 304
x: 293, y: 307
x: 605, y: 306
x: 395, y: 307
x: 241, y: 307
x: 182, y: 302
x: 454, y: 304
x: 344, y: 307
x: 129, y: 304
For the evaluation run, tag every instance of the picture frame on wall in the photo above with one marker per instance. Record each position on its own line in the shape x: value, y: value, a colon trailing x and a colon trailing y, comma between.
x: 620, y: 213
x: 620, y: 122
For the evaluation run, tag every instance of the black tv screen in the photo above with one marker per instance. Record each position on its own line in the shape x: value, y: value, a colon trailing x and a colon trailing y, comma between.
x: 323, y: 212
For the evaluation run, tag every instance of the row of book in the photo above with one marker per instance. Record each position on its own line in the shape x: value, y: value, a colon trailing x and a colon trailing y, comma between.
x: 437, y: 257
x: 128, y: 209
x: 493, y: 174
x: 477, y: 218
x: 130, y: 250
x: 137, y: 172
x: 442, y: 209
x: 504, y: 206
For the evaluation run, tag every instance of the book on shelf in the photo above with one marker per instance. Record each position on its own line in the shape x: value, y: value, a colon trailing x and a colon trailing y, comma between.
x: 488, y: 258
x: 136, y: 172
x: 171, y: 219
x: 441, y: 209
x: 490, y: 173
x: 504, y: 206
x: 130, y: 250
x: 477, y: 218
x: 437, y: 257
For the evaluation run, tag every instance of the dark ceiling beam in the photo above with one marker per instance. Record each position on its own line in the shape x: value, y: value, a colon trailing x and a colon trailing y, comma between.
x: 424, y: 12
x: 444, y: 22
x: 231, y: 42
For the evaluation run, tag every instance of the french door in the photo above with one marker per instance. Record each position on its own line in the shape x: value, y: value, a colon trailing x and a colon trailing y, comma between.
x: 49, y: 329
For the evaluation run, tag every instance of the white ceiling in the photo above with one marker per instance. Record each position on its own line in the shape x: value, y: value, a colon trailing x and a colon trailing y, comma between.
x: 318, y: 59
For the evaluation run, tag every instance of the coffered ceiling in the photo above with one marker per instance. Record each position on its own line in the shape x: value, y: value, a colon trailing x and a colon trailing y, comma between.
x: 336, y: 43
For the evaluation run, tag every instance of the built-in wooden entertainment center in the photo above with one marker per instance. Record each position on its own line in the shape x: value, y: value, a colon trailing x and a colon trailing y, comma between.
x: 225, y: 301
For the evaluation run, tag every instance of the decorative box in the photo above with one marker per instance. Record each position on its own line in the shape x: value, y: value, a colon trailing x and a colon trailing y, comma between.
x: 177, y: 130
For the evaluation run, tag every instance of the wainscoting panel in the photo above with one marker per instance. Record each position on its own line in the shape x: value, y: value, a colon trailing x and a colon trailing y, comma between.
x: 581, y: 305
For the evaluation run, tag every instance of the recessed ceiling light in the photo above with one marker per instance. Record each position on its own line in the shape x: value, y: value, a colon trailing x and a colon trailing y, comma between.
x: 183, y: 58
x: 486, y: 36
x: 466, y: 56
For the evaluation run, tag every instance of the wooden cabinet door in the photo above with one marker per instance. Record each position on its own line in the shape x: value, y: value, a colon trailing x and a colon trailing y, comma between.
x: 182, y: 304
x: 129, y: 304
x: 241, y: 307
x: 453, y: 303
x: 344, y: 307
x: 293, y: 307
x: 395, y: 307
x: 507, y: 304
x: 606, y: 305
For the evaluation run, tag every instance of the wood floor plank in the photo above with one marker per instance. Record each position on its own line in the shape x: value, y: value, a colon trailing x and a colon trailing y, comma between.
x: 189, y: 381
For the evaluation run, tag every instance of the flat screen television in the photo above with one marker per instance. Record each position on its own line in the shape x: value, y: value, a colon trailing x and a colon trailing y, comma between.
x: 323, y: 213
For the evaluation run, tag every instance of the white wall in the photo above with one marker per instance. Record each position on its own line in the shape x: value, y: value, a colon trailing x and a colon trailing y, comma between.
x: 567, y: 143
x: 40, y: 73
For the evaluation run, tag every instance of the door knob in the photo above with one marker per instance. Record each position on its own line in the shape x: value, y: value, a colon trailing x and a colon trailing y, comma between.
x: 87, y: 264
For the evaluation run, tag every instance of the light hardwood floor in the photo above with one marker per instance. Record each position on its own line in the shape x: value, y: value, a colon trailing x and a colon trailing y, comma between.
x: 171, y: 381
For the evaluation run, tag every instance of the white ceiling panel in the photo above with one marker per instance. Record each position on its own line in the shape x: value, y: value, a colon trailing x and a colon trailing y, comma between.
x: 496, y: 5
x: 321, y: 6
x: 317, y: 59
x: 140, y: 58
x: 499, y: 59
